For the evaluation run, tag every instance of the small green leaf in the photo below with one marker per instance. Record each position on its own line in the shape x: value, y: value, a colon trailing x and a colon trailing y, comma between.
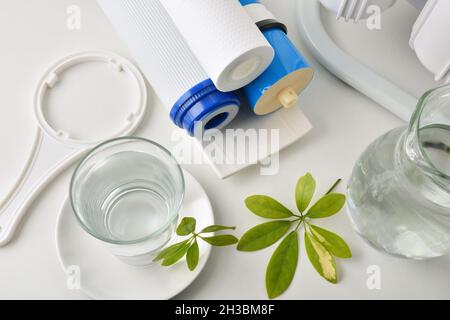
x: 176, y: 256
x: 304, y: 191
x: 263, y: 235
x: 186, y: 227
x: 192, y: 256
x: 282, y: 266
x: 327, y: 206
x: 216, y: 228
x: 222, y: 240
x: 320, y: 258
x: 170, y: 250
x: 267, y: 207
x: 332, y: 242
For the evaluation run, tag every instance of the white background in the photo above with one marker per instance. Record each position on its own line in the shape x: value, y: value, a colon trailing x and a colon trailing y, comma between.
x: 33, y: 34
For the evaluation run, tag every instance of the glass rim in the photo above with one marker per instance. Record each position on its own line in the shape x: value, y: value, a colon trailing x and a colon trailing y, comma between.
x: 154, y: 233
x: 415, y: 126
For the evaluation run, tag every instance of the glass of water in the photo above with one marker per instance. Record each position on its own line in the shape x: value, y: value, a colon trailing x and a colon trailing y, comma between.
x: 127, y: 193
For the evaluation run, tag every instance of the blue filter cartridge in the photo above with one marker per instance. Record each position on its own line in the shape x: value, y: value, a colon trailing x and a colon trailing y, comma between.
x: 288, y: 75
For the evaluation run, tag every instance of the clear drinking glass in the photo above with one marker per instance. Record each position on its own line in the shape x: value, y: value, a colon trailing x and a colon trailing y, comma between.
x: 399, y: 191
x: 127, y: 193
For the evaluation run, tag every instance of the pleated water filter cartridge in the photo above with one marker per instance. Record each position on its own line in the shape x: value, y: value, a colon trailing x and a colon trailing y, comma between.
x: 170, y: 66
x: 224, y: 39
x: 288, y: 75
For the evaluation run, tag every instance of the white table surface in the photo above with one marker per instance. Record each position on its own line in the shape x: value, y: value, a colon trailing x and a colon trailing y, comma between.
x: 34, y: 34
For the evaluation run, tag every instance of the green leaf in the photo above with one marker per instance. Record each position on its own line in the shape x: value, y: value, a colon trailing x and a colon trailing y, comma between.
x: 222, y: 240
x: 267, y: 207
x: 192, y: 256
x: 263, y: 235
x: 304, y: 191
x: 176, y: 256
x: 327, y: 206
x: 170, y: 250
x: 332, y: 242
x: 216, y: 228
x: 320, y: 258
x: 186, y: 227
x: 282, y: 266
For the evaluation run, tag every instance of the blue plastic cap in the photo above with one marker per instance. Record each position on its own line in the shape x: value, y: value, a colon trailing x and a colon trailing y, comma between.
x: 199, y: 103
x: 247, y: 2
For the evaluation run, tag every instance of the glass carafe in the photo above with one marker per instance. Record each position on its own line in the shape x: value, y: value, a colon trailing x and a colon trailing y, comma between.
x: 399, y: 191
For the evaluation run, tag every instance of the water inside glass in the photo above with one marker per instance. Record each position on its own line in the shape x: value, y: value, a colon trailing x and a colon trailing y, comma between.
x: 127, y: 196
x: 127, y: 193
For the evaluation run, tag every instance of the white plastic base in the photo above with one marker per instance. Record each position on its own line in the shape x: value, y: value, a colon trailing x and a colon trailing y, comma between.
x: 247, y: 141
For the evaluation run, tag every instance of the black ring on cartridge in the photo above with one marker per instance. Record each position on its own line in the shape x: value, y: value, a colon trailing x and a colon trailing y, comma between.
x: 271, y: 23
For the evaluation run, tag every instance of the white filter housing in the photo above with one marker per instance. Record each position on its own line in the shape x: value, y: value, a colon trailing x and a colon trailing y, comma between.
x: 430, y: 38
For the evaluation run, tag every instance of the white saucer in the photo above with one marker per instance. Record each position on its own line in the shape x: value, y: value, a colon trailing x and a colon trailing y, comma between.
x: 102, y: 276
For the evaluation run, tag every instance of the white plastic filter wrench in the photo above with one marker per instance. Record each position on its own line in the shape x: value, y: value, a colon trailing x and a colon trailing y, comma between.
x: 224, y: 38
x: 347, y: 68
x: 53, y: 149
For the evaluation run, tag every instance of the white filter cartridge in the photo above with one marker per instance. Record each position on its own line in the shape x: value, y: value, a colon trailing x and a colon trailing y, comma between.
x: 170, y: 65
x: 223, y: 37
x: 157, y: 46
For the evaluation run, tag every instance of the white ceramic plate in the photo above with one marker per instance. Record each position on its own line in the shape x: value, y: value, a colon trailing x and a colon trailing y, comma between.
x: 102, y: 276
